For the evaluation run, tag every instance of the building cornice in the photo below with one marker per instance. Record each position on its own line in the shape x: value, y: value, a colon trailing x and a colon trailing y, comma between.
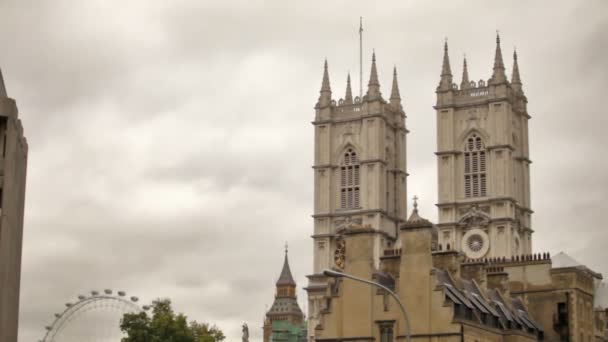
x: 382, y: 116
x: 486, y: 200
x: 448, y: 152
x: 358, y: 212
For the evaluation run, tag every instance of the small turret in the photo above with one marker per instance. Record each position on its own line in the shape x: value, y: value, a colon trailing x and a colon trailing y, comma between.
x: 2, y: 87
x: 325, y: 93
x: 348, y: 98
x: 465, y: 83
x: 373, y: 87
x: 446, y: 72
x: 498, y: 75
x: 395, y: 99
x: 515, y: 79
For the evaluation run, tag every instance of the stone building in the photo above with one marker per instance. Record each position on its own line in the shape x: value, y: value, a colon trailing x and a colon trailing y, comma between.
x: 285, y: 320
x: 359, y: 175
x: 13, y: 166
x: 473, y: 276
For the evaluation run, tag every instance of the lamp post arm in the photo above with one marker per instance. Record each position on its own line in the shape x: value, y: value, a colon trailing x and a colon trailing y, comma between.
x: 333, y: 273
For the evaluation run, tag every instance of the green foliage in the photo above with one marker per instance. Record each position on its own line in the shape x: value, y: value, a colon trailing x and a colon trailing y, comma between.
x: 163, y: 325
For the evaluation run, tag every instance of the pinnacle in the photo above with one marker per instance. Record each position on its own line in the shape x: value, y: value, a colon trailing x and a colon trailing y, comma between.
x: 515, y: 79
x: 348, y: 98
x: 373, y: 87
x: 2, y: 87
x: 325, y: 93
x: 395, y: 90
x: 446, y: 69
x: 373, y: 78
x: 498, y: 76
x: 325, y: 84
x: 465, y: 75
x: 446, y: 72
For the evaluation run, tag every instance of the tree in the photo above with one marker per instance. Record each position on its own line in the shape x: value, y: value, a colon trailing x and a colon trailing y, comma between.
x: 163, y: 325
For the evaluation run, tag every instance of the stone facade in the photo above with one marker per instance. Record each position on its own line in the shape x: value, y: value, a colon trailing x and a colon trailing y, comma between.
x: 473, y: 275
x: 483, y: 163
x: 13, y: 166
x: 359, y: 175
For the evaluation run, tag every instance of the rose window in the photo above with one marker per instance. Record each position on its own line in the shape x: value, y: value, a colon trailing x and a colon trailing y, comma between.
x: 475, y: 242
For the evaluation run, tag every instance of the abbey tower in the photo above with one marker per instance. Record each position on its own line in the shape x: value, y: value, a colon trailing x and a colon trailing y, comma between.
x: 483, y: 163
x: 359, y: 175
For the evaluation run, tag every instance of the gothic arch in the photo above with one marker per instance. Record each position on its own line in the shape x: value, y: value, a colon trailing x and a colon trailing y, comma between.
x: 462, y: 138
x: 339, y: 152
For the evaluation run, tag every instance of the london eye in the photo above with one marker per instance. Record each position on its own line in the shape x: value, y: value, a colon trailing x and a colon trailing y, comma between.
x: 95, y: 317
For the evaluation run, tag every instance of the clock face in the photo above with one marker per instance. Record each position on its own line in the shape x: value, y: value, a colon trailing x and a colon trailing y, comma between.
x: 475, y: 243
x: 339, y: 253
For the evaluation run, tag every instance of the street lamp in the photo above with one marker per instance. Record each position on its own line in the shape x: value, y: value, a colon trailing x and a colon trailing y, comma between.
x: 336, y: 274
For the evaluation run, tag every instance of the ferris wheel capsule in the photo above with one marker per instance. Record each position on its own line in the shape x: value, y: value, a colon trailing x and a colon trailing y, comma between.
x: 146, y: 307
x: 121, y: 293
x: 69, y: 305
x: 134, y: 299
x: 108, y: 291
x: 95, y: 293
x: 81, y: 297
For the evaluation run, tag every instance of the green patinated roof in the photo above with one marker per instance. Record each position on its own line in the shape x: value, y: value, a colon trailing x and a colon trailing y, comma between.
x: 283, y: 331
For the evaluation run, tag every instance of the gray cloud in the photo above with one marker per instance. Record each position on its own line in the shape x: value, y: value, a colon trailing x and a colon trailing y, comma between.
x: 171, y: 145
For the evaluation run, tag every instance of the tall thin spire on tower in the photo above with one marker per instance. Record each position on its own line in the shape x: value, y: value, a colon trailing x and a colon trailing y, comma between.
x: 498, y: 75
x: 360, y: 57
x: 515, y: 79
x: 373, y: 87
x: 2, y: 87
x: 446, y: 71
x: 395, y: 99
x: 348, y: 98
x: 464, y: 84
x: 325, y: 93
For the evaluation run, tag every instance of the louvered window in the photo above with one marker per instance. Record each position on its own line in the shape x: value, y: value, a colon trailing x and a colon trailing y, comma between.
x: 475, y: 168
x: 349, y: 180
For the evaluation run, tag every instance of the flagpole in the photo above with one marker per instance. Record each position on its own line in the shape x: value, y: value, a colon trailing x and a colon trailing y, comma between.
x: 361, y: 58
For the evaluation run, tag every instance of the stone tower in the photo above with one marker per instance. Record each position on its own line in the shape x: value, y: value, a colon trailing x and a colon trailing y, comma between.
x: 359, y: 175
x: 13, y: 164
x: 483, y: 163
x: 285, y: 307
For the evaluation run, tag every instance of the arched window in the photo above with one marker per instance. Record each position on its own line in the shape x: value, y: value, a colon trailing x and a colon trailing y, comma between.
x: 386, y: 333
x: 474, y: 167
x: 349, y: 180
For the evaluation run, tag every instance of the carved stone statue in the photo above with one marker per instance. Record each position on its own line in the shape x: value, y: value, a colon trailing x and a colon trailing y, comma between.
x: 245, y: 333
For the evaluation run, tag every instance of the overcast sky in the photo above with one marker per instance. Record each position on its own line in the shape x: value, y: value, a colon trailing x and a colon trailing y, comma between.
x: 171, y: 144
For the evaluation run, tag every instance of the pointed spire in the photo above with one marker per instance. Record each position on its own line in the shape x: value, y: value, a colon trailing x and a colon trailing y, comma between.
x: 2, y: 87
x: 446, y: 71
x: 348, y: 98
x: 325, y: 93
x: 373, y: 87
x: 286, y: 278
x: 395, y: 99
x: 498, y: 75
x: 515, y: 79
x: 465, y: 83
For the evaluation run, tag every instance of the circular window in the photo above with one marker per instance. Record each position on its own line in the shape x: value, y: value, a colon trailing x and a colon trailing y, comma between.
x: 475, y: 243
